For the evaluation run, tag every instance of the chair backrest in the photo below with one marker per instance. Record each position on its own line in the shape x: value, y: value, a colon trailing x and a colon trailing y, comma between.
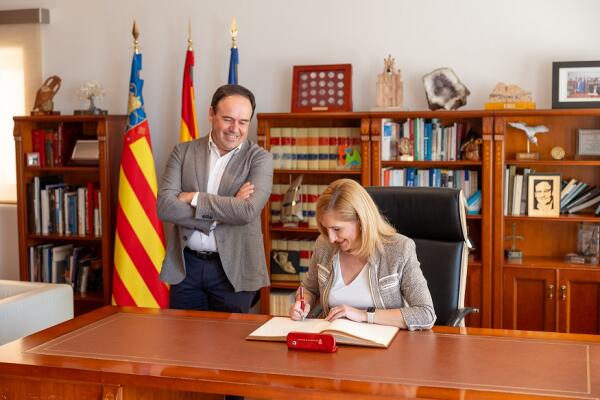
x: 435, y: 219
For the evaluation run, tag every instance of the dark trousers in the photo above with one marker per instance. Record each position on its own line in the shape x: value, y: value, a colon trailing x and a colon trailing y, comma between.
x: 207, y: 288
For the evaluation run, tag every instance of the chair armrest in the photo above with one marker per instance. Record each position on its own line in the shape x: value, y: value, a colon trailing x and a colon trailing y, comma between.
x: 459, y: 315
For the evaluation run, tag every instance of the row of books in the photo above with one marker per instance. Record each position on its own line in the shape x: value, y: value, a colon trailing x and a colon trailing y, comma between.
x: 52, y: 145
x: 290, y: 259
x: 308, y: 203
x: 76, y: 266
x: 280, y: 302
x: 316, y: 148
x: 467, y: 180
x: 62, y: 209
x: 576, y: 196
x: 428, y: 140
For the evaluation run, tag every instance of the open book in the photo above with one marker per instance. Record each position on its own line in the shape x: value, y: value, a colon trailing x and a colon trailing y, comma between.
x: 344, y: 331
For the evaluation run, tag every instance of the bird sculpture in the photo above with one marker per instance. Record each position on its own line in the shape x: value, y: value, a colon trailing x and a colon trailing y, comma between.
x: 529, y: 130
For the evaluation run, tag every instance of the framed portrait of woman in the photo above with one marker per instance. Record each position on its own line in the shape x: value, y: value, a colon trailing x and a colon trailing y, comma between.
x: 543, y: 195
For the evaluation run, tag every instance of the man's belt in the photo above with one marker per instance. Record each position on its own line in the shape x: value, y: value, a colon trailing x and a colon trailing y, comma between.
x: 203, y: 255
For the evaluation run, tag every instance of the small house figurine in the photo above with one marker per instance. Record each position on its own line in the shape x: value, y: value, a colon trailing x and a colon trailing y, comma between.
x: 389, y: 86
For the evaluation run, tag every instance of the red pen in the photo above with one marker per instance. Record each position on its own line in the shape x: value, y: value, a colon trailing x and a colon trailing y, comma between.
x: 302, y: 299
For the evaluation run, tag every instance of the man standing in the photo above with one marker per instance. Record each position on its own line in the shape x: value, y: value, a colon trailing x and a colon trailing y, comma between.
x: 213, y: 191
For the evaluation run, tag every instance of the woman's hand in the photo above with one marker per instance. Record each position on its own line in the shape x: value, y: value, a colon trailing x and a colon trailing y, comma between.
x: 296, y: 312
x: 345, y: 311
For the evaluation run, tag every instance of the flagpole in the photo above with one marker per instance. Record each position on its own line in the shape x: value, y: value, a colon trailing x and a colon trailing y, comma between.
x: 136, y: 34
x: 190, y: 35
x: 233, y: 30
x: 234, y: 56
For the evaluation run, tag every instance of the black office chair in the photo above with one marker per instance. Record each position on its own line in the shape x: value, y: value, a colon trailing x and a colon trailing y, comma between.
x: 435, y: 219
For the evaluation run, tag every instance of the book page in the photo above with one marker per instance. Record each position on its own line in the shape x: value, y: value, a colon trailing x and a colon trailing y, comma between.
x: 279, y: 327
x: 381, y: 334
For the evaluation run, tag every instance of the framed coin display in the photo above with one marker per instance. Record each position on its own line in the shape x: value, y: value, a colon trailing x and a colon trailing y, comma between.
x: 322, y: 88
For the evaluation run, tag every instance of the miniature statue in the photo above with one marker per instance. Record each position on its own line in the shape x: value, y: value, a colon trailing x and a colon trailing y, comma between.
x: 513, y: 254
x: 291, y: 210
x: 445, y: 90
x: 389, y: 85
x: 471, y: 146
x: 43, y: 99
x: 509, y: 94
x: 530, y: 131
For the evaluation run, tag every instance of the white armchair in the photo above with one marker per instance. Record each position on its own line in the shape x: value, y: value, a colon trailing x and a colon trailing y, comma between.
x: 28, y: 307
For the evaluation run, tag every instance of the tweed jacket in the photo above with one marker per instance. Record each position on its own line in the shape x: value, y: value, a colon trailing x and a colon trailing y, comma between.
x: 238, y: 232
x: 395, y: 280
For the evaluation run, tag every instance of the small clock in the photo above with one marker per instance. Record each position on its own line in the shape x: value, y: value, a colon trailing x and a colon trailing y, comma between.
x: 557, y: 153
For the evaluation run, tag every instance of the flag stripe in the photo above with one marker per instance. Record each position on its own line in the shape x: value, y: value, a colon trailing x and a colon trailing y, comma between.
x: 141, y: 225
x: 131, y: 278
x: 139, y: 256
x: 144, y: 196
x: 141, y: 151
x: 120, y: 294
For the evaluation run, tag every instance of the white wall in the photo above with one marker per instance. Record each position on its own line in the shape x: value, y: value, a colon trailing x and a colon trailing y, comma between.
x: 484, y: 41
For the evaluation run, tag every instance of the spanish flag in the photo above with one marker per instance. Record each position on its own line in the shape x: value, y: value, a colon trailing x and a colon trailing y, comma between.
x: 139, y: 241
x: 189, y: 125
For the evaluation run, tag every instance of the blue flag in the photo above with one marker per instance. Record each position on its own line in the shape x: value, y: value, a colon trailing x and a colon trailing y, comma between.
x: 233, y: 63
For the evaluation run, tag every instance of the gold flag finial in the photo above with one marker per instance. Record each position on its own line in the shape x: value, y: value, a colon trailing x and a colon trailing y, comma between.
x: 136, y: 33
x: 190, y: 34
x: 233, y: 29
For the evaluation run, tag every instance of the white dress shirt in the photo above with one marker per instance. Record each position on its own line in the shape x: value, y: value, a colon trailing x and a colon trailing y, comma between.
x: 198, y: 240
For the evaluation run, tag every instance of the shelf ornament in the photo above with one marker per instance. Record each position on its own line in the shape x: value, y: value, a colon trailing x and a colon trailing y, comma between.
x: 44, y: 104
x: 530, y: 131
x: 389, y: 87
x: 91, y: 92
x: 291, y: 210
x: 513, y: 254
x: 445, y: 90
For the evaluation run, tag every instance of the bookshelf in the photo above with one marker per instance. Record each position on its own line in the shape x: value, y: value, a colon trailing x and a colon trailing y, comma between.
x: 90, y: 230
x: 543, y: 291
x: 442, y: 166
x: 306, y: 144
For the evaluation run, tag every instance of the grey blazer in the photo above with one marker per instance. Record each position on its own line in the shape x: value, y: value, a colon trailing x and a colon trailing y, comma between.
x: 238, y: 233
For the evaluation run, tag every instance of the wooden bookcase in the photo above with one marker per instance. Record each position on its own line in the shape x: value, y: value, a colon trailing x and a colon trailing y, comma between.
x: 266, y: 123
x: 479, y: 273
x: 543, y: 291
x: 103, y: 175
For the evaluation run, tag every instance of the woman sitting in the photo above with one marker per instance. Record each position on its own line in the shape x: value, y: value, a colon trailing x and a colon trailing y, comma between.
x: 361, y: 268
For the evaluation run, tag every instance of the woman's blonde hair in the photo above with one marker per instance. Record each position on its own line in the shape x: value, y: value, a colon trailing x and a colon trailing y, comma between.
x: 351, y: 202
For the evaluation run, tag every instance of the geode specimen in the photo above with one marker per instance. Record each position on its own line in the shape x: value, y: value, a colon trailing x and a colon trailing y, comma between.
x: 444, y: 90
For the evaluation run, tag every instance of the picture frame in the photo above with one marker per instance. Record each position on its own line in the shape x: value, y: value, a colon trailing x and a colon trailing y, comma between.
x: 576, y: 84
x: 32, y: 159
x: 543, y: 195
x: 322, y: 88
x: 588, y: 143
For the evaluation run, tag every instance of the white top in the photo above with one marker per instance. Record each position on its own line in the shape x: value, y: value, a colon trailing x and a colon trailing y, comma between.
x: 356, y: 294
x: 199, y: 241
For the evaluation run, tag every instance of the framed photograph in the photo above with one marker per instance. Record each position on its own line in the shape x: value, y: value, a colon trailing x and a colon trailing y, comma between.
x: 33, y: 159
x: 576, y: 84
x: 588, y: 143
x: 322, y: 88
x: 543, y: 195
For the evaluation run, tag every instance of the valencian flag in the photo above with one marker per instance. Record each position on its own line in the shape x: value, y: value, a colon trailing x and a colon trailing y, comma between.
x: 139, y: 241
x: 189, y: 126
x: 234, y: 58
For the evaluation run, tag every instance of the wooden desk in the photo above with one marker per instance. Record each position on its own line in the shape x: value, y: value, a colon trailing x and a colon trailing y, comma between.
x: 132, y: 353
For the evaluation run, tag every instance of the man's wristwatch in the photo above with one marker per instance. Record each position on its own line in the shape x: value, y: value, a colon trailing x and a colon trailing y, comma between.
x: 371, y: 315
